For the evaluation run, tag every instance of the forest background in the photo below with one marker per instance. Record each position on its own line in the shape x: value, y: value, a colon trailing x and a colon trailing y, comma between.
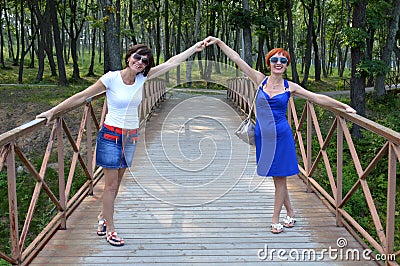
x: 70, y: 42
x: 328, y: 35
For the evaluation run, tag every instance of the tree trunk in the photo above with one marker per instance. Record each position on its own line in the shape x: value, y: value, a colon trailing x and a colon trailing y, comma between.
x: 369, y: 54
x: 396, y: 51
x: 48, y: 39
x: 178, y: 40
x: 295, y: 75
x: 62, y: 79
x: 42, y: 33
x: 199, y: 7
x: 322, y: 35
x: 112, y: 53
x: 342, y: 59
x: 21, y: 61
x: 393, y: 26
x: 211, y: 14
x: 93, y: 54
x: 130, y: 21
x: 2, y: 62
x: 157, y: 4
x: 17, y: 37
x: 74, y: 53
x: 74, y: 32
x: 9, y: 33
x: 167, y: 54
x: 48, y: 48
x: 33, y: 37
x: 248, y: 57
x: 310, y: 30
x: 317, y: 59
x: 93, y: 48
x: 357, y: 93
x: 260, y: 63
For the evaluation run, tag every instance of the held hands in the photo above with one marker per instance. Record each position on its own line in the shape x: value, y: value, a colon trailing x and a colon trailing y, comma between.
x: 210, y: 40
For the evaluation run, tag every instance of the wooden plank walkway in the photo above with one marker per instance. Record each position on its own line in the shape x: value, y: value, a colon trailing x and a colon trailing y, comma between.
x: 193, y: 198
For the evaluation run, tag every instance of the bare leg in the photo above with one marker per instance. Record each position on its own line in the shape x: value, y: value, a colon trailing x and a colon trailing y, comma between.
x: 120, y: 175
x: 281, y: 195
x: 121, y: 172
x: 113, y: 178
x: 288, y: 205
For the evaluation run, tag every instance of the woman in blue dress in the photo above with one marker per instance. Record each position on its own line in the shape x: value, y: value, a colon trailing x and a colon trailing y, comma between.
x: 275, y: 147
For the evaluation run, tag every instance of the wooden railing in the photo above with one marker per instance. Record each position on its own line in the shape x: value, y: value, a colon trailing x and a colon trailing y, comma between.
x: 392, y: 80
x: 82, y: 153
x: 305, y: 127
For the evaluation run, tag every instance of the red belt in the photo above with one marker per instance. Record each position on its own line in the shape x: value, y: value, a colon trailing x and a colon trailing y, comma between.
x: 120, y: 130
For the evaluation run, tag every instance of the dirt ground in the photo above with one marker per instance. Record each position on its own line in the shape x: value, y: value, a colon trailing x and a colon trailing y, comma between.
x: 21, y: 105
x: 16, y: 110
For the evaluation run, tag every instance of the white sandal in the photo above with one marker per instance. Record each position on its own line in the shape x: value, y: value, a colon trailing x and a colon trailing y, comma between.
x: 102, y: 227
x: 276, y: 228
x: 289, y: 222
x: 114, y: 239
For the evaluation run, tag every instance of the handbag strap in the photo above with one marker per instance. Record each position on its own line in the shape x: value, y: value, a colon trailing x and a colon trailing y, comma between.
x: 255, y: 96
x: 253, y: 103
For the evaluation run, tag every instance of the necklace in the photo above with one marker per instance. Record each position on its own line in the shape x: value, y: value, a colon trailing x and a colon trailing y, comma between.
x: 274, y: 86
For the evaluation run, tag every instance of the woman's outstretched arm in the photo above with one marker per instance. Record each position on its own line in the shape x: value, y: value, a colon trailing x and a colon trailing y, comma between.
x: 253, y: 74
x: 75, y: 99
x: 175, y: 60
x: 319, y: 98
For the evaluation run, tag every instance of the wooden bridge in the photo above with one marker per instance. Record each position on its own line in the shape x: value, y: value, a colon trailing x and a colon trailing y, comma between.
x: 192, y: 196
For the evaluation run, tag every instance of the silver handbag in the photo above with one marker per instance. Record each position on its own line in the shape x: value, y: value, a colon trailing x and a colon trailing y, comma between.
x: 245, y: 131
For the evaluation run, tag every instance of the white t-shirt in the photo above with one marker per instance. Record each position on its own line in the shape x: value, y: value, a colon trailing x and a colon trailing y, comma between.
x: 122, y: 100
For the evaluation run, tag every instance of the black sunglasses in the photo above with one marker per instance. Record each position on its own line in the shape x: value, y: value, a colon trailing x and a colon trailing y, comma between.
x: 139, y: 57
x: 275, y: 60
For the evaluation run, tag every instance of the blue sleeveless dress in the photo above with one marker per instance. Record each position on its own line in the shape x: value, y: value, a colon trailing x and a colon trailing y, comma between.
x: 275, y: 147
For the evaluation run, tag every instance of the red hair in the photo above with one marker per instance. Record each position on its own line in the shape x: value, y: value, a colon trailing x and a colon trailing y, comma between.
x: 277, y: 51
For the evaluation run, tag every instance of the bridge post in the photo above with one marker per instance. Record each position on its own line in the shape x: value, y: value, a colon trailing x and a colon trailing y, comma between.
x: 61, y: 172
x: 391, y: 201
x: 309, y: 146
x: 12, y: 202
x: 339, y: 172
x: 89, y: 150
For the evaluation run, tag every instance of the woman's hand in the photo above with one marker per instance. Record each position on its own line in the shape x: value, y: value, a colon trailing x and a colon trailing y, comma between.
x: 349, y: 109
x: 47, y: 114
x: 199, y: 46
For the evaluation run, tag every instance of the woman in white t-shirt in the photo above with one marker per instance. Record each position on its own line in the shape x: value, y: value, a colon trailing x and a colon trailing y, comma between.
x: 116, y: 140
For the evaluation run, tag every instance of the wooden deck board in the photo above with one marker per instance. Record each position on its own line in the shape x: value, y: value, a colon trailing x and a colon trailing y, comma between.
x: 188, y: 209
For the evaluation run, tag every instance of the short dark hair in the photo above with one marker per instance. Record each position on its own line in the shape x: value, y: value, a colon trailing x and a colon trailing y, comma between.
x: 141, y: 49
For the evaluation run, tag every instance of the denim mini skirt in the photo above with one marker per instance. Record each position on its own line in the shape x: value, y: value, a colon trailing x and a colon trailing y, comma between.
x: 115, y: 147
